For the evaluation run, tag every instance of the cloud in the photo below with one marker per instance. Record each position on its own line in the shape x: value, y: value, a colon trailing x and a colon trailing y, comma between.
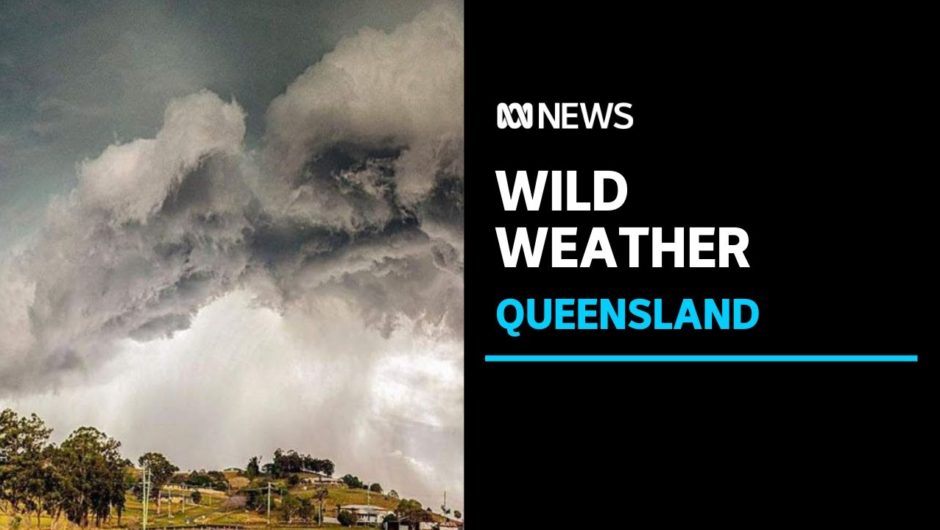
x: 341, y: 236
x: 154, y: 230
x: 375, y: 89
x: 131, y: 181
x: 387, y: 409
x: 357, y: 198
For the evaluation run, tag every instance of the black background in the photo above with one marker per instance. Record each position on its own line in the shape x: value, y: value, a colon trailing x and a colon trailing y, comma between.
x: 802, y: 127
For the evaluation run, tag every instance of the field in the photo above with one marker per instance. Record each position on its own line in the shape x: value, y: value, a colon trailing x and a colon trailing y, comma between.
x: 216, y: 508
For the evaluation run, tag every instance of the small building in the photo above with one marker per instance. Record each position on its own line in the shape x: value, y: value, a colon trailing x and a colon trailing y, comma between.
x: 366, y: 514
x: 319, y: 479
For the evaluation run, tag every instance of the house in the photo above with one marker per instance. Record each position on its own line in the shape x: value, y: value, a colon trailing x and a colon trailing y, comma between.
x: 366, y: 514
x: 320, y: 479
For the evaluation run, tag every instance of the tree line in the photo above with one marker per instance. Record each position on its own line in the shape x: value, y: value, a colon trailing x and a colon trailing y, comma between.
x: 287, y: 462
x: 84, y: 478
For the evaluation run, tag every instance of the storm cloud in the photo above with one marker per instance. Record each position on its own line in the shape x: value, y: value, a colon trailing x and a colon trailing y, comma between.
x: 339, y: 237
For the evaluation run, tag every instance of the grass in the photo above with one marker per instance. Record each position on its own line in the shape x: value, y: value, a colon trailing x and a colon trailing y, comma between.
x: 212, y: 509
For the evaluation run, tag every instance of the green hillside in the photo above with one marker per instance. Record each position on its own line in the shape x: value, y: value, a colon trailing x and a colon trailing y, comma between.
x: 85, y: 481
x: 218, y: 508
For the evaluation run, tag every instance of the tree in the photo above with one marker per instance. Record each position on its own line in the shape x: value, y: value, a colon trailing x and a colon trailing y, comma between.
x: 393, y: 494
x: 409, y: 508
x: 201, y: 479
x: 290, y: 461
x: 326, y: 466
x: 375, y: 488
x: 119, y: 487
x: 305, y: 513
x: 347, y: 518
x: 457, y: 514
x: 254, y: 500
x: 161, y: 471
x: 218, y: 481
x: 290, y: 507
x: 321, y: 495
x: 196, y: 496
x: 253, y: 469
x: 293, y: 480
x: 352, y: 481
x: 53, y: 502
x: 93, y: 475
x: 23, y: 462
x: 274, y: 468
x: 318, y: 465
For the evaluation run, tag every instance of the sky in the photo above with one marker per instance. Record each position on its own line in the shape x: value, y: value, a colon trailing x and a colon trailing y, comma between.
x: 228, y: 227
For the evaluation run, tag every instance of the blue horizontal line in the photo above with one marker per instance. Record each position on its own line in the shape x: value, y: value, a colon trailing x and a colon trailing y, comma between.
x: 795, y: 358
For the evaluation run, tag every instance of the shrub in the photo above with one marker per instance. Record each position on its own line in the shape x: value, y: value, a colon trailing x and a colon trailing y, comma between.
x: 347, y: 518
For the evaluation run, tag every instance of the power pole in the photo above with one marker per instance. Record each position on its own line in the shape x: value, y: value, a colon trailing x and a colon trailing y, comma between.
x: 269, y: 504
x: 146, y: 487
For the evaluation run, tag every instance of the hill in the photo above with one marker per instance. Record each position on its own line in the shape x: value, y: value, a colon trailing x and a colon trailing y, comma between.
x: 217, y: 508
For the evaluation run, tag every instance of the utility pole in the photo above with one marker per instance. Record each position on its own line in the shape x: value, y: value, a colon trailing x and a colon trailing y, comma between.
x: 269, y: 504
x: 146, y: 487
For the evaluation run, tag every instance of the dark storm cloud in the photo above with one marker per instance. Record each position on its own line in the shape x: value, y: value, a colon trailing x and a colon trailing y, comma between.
x: 355, y: 195
x: 78, y: 75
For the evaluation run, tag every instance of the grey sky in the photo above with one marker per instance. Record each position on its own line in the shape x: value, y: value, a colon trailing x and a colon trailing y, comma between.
x: 228, y: 226
x: 77, y: 76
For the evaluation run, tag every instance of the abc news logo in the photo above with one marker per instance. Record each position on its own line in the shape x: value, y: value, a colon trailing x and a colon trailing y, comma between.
x: 564, y: 116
